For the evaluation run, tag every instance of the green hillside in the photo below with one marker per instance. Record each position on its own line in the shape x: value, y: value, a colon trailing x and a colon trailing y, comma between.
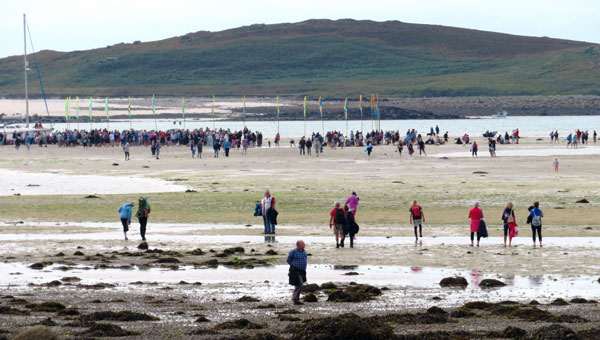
x: 321, y: 57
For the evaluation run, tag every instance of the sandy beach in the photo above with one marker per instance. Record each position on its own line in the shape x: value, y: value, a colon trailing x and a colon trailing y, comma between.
x: 203, y: 207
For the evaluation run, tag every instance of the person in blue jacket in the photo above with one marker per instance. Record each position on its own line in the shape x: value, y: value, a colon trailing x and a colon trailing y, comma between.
x: 125, y: 212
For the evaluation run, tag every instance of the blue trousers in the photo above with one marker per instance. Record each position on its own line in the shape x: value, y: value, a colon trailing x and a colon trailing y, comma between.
x: 269, y: 227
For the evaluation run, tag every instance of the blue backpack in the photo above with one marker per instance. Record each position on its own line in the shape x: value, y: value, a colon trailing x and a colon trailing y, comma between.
x: 258, y: 209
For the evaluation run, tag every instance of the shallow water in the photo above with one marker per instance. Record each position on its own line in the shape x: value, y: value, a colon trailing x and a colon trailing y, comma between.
x: 28, y: 183
x: 545, y: 151
x: 167, y: 235
x: 410, y: 284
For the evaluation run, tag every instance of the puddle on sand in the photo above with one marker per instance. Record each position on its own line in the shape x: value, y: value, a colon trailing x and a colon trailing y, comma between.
x: 29, y: 183
x: 411, y: 286
x: 185, y: 238
x: 529, y: 152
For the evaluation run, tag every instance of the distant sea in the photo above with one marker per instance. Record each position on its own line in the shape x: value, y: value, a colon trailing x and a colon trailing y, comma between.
x: 529, y: 126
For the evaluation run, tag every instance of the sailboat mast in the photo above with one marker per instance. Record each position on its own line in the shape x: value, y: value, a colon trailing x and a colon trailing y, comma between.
x: 25, y: 69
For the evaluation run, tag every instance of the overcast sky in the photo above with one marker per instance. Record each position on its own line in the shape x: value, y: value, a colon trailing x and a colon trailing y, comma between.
x: 67, y: 25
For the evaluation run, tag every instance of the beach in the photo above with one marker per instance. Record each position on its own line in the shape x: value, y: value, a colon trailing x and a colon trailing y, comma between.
x: 59, y: 209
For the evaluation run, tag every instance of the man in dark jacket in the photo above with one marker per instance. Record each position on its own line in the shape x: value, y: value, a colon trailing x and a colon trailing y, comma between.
x: 297, y: 259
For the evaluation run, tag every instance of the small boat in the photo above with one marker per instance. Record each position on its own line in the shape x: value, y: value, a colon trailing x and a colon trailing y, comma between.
x: 502, y: 114
x: 490, y: 134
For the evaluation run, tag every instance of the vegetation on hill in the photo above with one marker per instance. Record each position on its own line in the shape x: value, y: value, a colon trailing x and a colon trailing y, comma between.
x: 321, y: 57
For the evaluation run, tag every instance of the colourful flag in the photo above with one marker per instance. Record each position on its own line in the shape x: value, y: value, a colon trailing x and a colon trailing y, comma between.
x: 153, y: 106
x: 377, y: 107
x: 372, y: 105
x: 67, y: 104
x: 304, y: 107
x: 183, y: 107
x: 361, y: 107
x: 346, y: 109
x: 106, y: 108
x: 90, y: 108
x: 129, y: 108
x: 321, y: 106
x: 213, y: 106
x: 77, y: 107
x: 278, y: 107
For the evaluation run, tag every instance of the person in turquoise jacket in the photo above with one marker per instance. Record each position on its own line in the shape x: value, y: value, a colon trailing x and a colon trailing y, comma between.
x: 125, y: 212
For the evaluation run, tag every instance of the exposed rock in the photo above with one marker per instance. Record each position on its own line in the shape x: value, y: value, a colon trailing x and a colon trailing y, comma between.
x: 554, y: 332
x: 37, y: 333
x: 143, y: 246
x: 310, y: 288
x: 37, y: 265
x: 491, y: 283
x: 310, y: 297
x: 91, y: 196
x: 328, y: 285
x: 462, y: 313
x: 202, y: 318
x: 457, y: 281
x: 582, y: 201
x: 238, y: 324
x: 54, y: 283
x: 50, y: 307
x: 70, y: 279
x: 511, y: 332
x: 345, y: 326
x: 106, y: 330
x: 559, y: 302
x: 436, y: 310
x: 47, y: 322
x: 118, y: 316
x: 247, y: 298
x: 167, y: 260
x: 271, y: 252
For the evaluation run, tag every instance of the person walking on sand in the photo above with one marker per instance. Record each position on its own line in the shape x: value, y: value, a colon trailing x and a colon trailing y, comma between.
x: 536, y: 222
x: 351, y: 225
x: 510, y: 223
x: 352, y: 202
x: 416, y: 219
x: 193, y: 149
x: 508, y: 218
x: 476, y: 215
x: 474, y: 149
x: 125, y: 212
x: 555, y: 163
x: 369, y: 149
x: 336, y: 223
x: 158, y: 150
x: 126, y: 151
x: 268, y: 203
x: 142, y: 214
x: 297, y: 259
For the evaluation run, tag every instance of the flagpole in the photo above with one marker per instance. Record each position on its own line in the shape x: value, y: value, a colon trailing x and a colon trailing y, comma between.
x: 361, y: 114
x: 244, y: 112
x: 90, y: 113
x: 321, y: 111
x: 183, y: 111
x: 304, y: 116
x: 277, y: 114
x: 213, y: 111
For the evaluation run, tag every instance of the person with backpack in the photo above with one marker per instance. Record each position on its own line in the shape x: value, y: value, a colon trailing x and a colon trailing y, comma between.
x: 510, y: 223
x: 536, y: 222
x: 416, y: 218
x: 142, y: 215
x: 125, y: 212
x: 336, y: 223
x: 351, y: 225
x: 267, y: 205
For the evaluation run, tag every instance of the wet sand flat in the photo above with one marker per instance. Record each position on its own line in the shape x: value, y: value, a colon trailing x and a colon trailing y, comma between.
x: 192, y: 268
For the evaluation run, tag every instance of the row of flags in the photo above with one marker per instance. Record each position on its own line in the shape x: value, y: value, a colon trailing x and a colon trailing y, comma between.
x: 374, y: 105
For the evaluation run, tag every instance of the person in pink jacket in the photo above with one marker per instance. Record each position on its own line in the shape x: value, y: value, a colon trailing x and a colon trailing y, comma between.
x: 352, y: 202
x: 475, y: 214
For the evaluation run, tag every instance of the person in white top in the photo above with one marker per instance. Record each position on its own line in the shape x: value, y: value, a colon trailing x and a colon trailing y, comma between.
x: 268, y: 202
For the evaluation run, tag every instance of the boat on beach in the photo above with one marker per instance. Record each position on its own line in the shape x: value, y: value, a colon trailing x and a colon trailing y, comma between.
x: 500, y: 115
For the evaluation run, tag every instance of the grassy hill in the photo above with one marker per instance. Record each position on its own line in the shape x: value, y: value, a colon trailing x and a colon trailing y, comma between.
x: 321, y: 57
